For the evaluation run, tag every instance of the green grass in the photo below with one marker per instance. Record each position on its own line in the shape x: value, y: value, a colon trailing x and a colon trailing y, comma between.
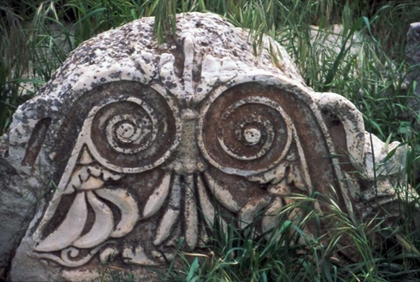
x: 279, y: 255
x: 365, y: 63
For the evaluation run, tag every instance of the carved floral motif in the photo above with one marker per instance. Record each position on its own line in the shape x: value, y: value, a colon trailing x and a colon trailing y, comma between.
x: 160, y: 141
x: 246, y: 135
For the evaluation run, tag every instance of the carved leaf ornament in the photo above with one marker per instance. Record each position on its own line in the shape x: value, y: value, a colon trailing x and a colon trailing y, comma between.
x: 158, y: 140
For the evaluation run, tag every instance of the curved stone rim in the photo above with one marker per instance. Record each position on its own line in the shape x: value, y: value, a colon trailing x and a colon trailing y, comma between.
x: 263, y: 79
x: 178, y: 126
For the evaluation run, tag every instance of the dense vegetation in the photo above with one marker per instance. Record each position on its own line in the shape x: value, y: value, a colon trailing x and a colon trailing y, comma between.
x: 364, y: 61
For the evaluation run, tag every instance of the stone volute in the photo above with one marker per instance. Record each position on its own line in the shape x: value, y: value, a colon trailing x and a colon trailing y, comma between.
x: 146, y: 143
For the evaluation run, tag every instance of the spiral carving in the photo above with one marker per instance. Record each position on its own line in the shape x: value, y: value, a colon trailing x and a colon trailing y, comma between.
x: 132, y: 133
x: 125, y: 132
x: 253, y: 132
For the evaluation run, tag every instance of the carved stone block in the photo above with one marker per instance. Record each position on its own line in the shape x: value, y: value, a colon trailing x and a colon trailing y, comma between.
x: 148, y: 143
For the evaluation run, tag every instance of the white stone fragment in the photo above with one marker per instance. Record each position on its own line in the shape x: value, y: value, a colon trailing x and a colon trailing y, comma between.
x: 108, y: 255
x: 155, y: 201
x: 271, y: 216
x: 136, y: 257
x: 69, y: 230
x: 85, y: 158
x: 91, y: 184
x: 128, y: 208
x: 171, y: 215
x: 249, y: 212
x: 164, y: 229
x: 101, y: 228
x: 222, y: 195
x: 352, y: 121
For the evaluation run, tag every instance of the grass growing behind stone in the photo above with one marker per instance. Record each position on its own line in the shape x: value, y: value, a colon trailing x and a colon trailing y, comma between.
x: 288, y: 254
x: 363, y: 59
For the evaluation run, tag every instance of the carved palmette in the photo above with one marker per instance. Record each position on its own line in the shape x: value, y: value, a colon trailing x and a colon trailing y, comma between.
x: 154, y: 146
x: 122, y: 134
x: 219, y: 158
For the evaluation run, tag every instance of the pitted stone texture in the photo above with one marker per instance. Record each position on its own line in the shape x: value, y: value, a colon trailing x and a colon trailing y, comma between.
x: 147, y: 144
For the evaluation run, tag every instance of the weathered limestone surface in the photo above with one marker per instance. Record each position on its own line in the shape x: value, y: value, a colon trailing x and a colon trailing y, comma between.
x: 17, y: 206
x: 144, y: 144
